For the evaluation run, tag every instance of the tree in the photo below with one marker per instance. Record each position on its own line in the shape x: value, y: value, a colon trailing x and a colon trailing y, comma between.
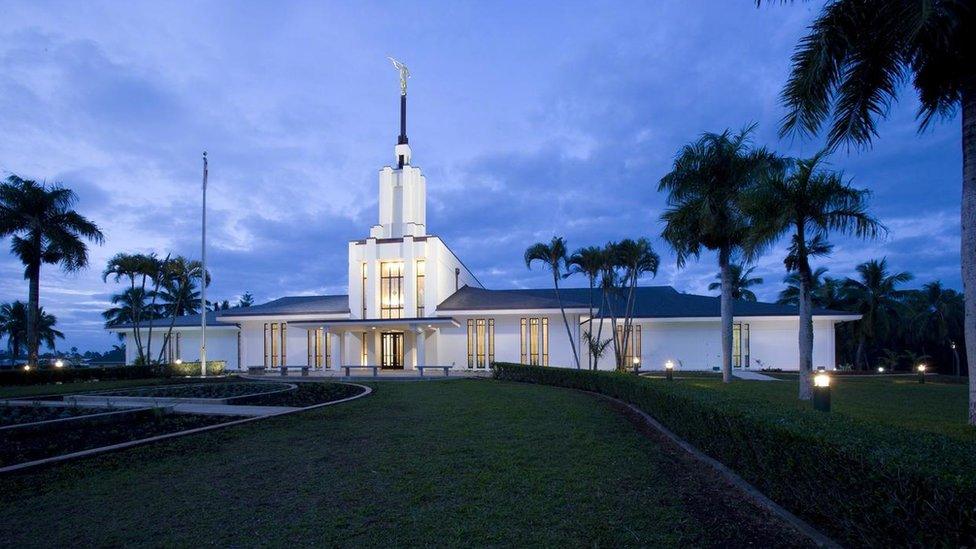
x: 131, y: 301
x: 13, y: 325
x: 179, y: 292
x: 635, y: 258
x: 877, y: 298
x: 936, y: 315
x: 44, y: 229
x: 553, y: 256
x: 589, y: 262
x: 705, y: 190
x: 134, y: 268
x: 791, y: 294
x: 246, y: 300
x: 741, y: 282
x: 808, y: 203
x: 848, y: 70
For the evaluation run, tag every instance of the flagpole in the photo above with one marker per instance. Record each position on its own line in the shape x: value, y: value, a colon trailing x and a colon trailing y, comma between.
x: 203, y: 277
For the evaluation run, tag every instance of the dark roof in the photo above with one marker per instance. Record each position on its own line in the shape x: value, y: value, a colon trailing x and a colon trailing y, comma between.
x: 295, y: 305
x: 651, y: 302
x: 185, y: 321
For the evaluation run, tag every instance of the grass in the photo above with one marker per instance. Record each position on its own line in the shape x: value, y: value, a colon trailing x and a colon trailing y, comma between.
x: 460, y: 462
x: 902, y: 402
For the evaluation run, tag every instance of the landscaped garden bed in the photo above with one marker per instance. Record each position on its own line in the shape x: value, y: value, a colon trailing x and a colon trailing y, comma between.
x: 16, y: 415
x: 306, y: 394
x: 202, y: 390
x: 19, y: 446
x: 865, y: 480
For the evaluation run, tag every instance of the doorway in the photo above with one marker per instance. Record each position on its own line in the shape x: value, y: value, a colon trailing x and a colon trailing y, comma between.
x: 392, y: 350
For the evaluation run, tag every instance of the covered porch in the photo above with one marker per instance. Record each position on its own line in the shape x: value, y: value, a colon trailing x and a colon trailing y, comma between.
x: 392, y: 344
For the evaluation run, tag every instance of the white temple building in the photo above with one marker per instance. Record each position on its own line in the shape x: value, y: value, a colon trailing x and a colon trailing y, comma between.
x: 412, y: 301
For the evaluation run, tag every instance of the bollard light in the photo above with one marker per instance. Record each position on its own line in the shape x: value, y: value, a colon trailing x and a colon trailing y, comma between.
x: 880, y: 369
x: 59, y: 363
x: 26, y: 367
x: 178, y: 361
x: 636, y: 363
x: 669, y: 370
x: 921, y: 373
x: 821, y: 392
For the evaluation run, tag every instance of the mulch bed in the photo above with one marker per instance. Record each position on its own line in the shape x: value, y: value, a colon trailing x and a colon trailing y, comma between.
x: 17, y: 415
x: 307, y: 394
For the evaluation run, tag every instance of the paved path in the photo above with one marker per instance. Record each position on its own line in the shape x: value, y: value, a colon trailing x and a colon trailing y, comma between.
x: 752, y: 376
x: 231, y: 410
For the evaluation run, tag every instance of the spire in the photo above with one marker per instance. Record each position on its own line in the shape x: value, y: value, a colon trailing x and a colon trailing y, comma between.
x: 402, y: 148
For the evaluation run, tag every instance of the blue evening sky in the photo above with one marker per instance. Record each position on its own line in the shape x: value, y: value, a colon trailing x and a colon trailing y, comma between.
x: 529, y: 120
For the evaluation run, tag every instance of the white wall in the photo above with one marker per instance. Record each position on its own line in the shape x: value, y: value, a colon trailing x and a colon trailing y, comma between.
x: 221, y: 344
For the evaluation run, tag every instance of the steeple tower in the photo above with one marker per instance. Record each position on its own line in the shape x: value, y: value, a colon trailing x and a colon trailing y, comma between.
x: 403, y: 189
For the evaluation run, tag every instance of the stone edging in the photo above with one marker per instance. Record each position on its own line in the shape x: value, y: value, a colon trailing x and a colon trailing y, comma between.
x: 157, y: 438
x: 64, y: 420
x: 728, y: 474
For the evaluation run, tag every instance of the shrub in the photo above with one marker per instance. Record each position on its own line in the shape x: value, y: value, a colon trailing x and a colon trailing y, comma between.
x: 861, y: 483
x: 214, y: 368
x: 68, y: 375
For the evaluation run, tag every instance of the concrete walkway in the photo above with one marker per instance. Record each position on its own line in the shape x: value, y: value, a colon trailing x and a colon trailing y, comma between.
x: 231, y: 410
x: 752, y: 376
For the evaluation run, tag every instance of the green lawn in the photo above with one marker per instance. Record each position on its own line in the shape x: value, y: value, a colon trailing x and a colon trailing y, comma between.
x: 456, y: 463
x: 897, y: 401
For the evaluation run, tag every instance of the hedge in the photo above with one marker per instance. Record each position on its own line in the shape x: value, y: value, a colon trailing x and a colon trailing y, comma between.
x: 67, y: 375
x: 861, y: 483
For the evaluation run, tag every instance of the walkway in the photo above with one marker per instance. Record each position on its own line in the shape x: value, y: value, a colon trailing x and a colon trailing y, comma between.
x: 752, y: 376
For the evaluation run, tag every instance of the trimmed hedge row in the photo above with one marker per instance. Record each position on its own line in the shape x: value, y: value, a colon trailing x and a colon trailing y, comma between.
x: 67, y: 375
x: 861, y: 483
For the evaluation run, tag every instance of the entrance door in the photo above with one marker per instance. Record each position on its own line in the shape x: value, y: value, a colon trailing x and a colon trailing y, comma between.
x: 392, y: 350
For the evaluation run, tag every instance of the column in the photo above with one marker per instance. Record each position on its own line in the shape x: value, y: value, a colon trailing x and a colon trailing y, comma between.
x: 421, y: 346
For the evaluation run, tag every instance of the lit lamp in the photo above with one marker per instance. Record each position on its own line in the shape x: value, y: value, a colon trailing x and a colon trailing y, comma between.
x: 669, y: 370
x: 178, y: 361
x: 880, y: 369
x: 26, y: 367
x: 821, y: 392
x: 921, y: 373
x: 636, y: 364
x: 59, y: 363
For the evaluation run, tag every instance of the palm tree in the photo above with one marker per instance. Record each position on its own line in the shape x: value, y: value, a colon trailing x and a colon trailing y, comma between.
x: 741, y: 282
x: 877, y: 298
x: 44, y: 229
x: 589, y: 261
x: 179, y: 293
x: 848, y: 70
x: 636, y: 258
x: 13, y: 326
x: 145, y: 273
x: 705, y: 190
x: 46, y: 333
x: 553, y: 256
x: 808, y: 202
x: 936, y: 314
x: 791, y: 294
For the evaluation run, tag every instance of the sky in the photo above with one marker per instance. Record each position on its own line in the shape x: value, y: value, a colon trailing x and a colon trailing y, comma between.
x: 529, y: 120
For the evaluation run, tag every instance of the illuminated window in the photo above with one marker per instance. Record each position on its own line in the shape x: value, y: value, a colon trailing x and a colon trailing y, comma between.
x: 284, y: 341
x: 319, y: 353
x: 172, y: 347
x: 271, y: 341
x: 267, y: 346
x: 364, y: 359
x: 535, y: 341
x: 740, y: 345
x: 481, y: 342
x: 391, y: 290
x: 274, y: 345
x: 633, y: 349
x: 364, y: 289
x: 421, y: 276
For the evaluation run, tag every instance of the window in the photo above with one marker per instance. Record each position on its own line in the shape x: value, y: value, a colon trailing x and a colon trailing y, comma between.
x: 740, y: 345
x: 172, y: 347
x: 364, y: 289
x: 633, y: 349
x: 319, y: 352
x: 421, y: 276
x: 535, y: 341
x: 364, y: 359
x: 240, y: 351
x: 481, y: 342
x: 271, y: 341
x: 391, y: 290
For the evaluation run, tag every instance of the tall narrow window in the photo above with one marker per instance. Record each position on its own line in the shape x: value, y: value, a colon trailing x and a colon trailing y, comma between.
x: 240, y: 351
x: 421, y: 276
x: 740, y: 345
x: 284, y: 342
x: 267, y: 345
x: 310, y: 342
x: 535, y: 341
x: 179, y: 349
x: 391, y: 290
x: 318, y: 348
x: 364, y: 289
x: 524, y: 339
x: 481, y: 342
x: 633, y: 349
x: 364, y: 359
x: 274, y: 345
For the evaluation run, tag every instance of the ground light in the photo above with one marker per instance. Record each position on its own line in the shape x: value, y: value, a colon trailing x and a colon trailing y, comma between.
x: 26, y: 367
x: 59, y: 363
x: 636, y: 364
x: 178, y: 361
x: 821, y: 392
x: 880, y: 369
x: 921, y: 373
x: 669, y: 370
